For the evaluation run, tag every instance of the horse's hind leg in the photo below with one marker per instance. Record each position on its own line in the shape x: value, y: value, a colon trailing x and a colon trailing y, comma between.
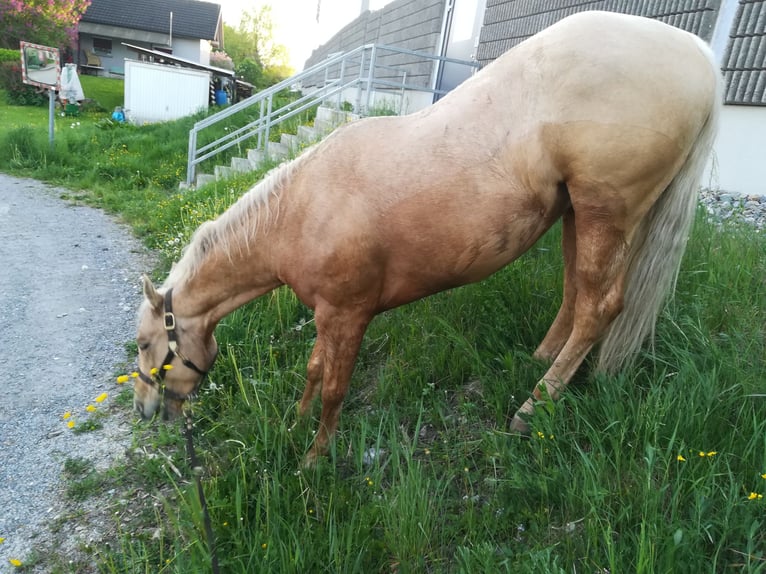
x: 600, y: 273
x: 561, y: 327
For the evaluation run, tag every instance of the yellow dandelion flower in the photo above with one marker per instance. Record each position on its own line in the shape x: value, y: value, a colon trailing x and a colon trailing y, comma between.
x: 16, y: 562
x: 154, y: 371
x: 70, y: 424
x: 2, y: 539
x: 225, y: 523
x: 90, y: 408
x: 122, y: 379
x: 680, y: 458
x: 101, y: 398
x: 66, y: 415
x: 712, y: 453
x: 134, y: 374
x: 763, y: 475
x: 264, y: 546
x: 702, y: 454
x: 167, y: 367
x: 540, y: 434
x: 754, y: 496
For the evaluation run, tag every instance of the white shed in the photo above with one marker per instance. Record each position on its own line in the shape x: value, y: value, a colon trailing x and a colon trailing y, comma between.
x: 158, y: 93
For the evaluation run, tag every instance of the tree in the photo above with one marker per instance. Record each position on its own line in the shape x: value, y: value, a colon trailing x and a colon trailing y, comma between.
x: 258, y: 57
x: 48, y: 22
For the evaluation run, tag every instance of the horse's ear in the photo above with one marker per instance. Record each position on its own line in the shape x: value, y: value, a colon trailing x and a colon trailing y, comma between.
x: 151, y: 294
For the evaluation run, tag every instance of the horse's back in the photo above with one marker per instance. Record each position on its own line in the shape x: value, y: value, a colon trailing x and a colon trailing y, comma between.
x: 597, y: 97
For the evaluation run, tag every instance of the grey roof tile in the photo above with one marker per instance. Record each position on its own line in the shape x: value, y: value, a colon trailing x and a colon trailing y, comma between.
x: 191, y: 18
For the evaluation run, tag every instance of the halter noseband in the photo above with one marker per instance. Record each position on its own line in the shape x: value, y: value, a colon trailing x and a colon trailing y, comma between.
x: 158, y: 380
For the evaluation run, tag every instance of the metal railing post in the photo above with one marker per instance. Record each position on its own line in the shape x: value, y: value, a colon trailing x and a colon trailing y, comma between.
x: 268, y: 125
x: 342, y: 77
x: 260, y: 129
x: 191, y: 157
x: 358, y: 102
x: 370, y: 77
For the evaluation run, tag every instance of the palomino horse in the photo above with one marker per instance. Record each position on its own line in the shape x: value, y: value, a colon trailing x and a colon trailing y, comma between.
x: 603, y: 119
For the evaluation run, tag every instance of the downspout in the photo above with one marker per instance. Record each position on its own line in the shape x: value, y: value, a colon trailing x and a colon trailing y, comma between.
x: 170, y: 39
x: 449, y: 6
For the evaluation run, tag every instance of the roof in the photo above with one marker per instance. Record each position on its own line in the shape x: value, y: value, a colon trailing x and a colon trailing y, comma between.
x: 164, y: 58
x: 191, y: 18
x: 744, y: 64
x: 509, y: 22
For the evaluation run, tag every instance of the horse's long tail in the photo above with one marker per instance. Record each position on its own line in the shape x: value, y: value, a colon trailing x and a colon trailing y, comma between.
x: 656, y: 251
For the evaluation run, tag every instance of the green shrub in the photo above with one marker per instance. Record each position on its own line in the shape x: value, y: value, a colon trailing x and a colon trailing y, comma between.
x: 7, y: 55
x: 18, y: 93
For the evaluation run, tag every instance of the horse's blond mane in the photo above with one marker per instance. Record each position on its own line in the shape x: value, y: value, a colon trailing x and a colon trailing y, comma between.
x: 236, y: 227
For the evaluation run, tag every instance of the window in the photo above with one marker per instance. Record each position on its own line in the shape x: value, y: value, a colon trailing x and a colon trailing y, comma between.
x: 102, y: 46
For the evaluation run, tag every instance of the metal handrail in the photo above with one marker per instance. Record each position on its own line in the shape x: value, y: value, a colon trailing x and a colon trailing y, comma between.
x: 269, y: 117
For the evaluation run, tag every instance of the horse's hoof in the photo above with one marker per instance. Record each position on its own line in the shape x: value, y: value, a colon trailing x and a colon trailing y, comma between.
x: 519, y: 426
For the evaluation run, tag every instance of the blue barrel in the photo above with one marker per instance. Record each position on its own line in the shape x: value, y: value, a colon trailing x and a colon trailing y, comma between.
x: 221, y: 98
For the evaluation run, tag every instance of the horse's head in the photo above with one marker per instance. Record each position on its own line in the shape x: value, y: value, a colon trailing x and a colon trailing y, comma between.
x: 174, y: 355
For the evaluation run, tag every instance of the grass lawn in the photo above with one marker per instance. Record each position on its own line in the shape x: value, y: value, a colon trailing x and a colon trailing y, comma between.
x: 659, y: 469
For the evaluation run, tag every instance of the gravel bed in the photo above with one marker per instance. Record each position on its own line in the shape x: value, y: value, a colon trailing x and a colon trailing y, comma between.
x: 69, y: 288
x: 730, y: 206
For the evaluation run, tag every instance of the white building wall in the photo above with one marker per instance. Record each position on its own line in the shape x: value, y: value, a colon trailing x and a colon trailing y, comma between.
x: 157, y: 93
x: 194, y: 50
x: 739, y: 160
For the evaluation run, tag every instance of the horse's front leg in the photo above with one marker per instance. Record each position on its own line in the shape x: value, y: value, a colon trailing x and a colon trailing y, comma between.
x: 314, y: 372
x: 340, y: 332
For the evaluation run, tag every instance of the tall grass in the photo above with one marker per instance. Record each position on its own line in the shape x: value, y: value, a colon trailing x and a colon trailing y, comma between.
x: 648, y: 471
x: 655, y: 470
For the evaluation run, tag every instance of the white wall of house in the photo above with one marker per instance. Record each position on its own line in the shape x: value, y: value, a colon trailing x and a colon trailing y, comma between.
x: 739, y: 159
x: 191, y: 49
x: 157, y: 93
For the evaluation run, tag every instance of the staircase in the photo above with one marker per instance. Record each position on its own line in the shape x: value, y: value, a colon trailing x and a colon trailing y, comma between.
x: 289, y: 146
x: 354, y: 76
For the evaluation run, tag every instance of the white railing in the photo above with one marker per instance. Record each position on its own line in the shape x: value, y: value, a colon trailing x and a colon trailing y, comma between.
x: 356, y: 70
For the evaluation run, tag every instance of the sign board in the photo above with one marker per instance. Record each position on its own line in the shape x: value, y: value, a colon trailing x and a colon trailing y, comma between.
x: 40, y: 65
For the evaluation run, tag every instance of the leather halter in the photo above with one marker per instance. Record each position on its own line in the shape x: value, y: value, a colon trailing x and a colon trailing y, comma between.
x: 158, y: 380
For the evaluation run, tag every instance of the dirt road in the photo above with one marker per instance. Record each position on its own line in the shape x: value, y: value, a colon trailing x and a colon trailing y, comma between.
x: 69, y: 287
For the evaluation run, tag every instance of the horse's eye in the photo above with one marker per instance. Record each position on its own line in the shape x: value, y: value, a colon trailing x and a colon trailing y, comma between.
x: 143, y: 346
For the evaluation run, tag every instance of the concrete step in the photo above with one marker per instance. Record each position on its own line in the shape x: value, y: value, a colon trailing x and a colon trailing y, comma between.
x: 334, y: 116
x: 307, y: 134
x: 256, y: 156
x: 323, y: 127
x: 292, y: 143
x: 223, y: 172
x: 243, y: 164
x: 277, y: 151
x: 204, y: 179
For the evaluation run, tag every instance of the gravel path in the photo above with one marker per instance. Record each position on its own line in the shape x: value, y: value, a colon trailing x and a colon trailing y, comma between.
x: 68, y: 293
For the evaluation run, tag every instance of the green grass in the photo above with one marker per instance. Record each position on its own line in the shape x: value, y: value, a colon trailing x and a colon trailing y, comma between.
x: 598, y: 488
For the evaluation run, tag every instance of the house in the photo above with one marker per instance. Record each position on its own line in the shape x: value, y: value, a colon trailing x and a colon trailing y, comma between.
x: 186, y: 29
x: 482, y: 30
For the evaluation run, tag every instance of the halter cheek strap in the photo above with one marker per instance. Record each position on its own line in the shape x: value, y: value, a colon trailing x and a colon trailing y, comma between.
x: 169, y: 320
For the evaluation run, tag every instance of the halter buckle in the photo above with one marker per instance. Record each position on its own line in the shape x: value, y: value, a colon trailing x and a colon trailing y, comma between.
x: 170, y: 321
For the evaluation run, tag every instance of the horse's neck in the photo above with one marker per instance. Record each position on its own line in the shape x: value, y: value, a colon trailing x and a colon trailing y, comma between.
x: 225, y: 282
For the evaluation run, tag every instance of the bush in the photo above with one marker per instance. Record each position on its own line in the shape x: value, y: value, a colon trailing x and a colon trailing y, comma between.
x: 17, y: 92
x: 7, y: 55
